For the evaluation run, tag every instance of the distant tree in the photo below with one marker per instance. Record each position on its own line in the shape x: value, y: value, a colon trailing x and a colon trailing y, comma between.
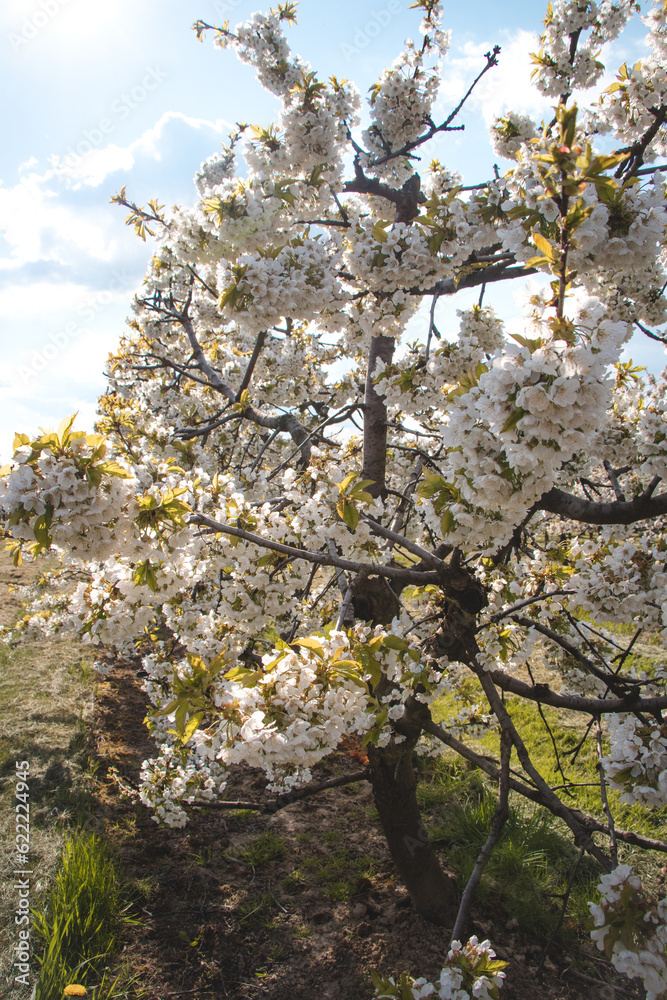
x: 319, y: 515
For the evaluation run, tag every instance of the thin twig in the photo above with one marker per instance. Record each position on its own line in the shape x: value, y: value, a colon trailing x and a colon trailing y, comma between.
x: 613, y: 848
x: 549, y: 730
x: 497, y: 823
x: 286, y: 799
x: 490, y: 766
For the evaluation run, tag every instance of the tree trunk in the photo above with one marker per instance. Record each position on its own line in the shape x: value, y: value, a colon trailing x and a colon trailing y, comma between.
x: 433, y: 893
x: 375, y: 419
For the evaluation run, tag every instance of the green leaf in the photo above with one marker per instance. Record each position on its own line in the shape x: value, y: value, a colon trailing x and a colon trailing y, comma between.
x: 244, y: 675
x: 395, y: 642
x: 114, y: 469
x: 166, y: 711
x: 513, y: 419
x: 379, y: 230
x: 41, y: 531
x: 532, y: 345
x: 348, y: 512
x: 538, y: 261
x: 180, y: 716
x: 346, y: 482
x: 64, y: 428
x: 362, y: 484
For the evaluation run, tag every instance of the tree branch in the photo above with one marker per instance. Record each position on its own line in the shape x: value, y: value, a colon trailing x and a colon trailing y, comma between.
x: 254, y: 358
x: 288, y: 798
x: 632, y: 702
x: 321, y: 558
x: 492, y: 272
x: 491, y: 768
x: 616, y: 512
x: 491, y: 60
x: 581, y: 836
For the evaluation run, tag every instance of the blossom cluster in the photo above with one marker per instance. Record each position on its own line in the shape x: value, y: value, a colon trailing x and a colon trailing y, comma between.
x: 509, y: 132
x: 402, y: 99
x: 637, y: 761
x: 471, y: 972
x: 632, y: 935
x: 564, y: 65
x: 282, y: 714
x: 627, y: 107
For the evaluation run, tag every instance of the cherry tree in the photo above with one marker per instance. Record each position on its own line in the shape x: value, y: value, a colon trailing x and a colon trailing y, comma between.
x: 316, y: 514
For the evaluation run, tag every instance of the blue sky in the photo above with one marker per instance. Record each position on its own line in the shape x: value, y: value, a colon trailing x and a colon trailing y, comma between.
x: 104, y: 95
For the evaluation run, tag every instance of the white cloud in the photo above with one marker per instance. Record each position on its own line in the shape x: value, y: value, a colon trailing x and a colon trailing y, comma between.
x: 38, y: 225
x: 91, y: 166
x: 505, y: 86
x: 65, y: 376
x: 28, y: 300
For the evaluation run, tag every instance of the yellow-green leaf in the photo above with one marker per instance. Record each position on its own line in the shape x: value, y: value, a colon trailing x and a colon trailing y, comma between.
x: 447, y: 522
x: 114, y: 469
x: 513, y: 419
x: 346, y: 482
x: 350, y: 514
x: 314, y: 645
x: 192, y: 726
x: 544, y: 245
x: 64, y: 428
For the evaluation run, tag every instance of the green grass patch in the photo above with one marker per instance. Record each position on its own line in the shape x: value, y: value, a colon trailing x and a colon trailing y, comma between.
x: 529, y: 868
x: 264, y: 850
x: 340, y: 874
x: 45, y: 722
x: 257, y: 912
x: 80, y: 924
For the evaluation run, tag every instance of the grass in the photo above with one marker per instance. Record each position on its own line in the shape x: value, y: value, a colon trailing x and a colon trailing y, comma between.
x: 257, y: 912
x: 264, y: 850
x: 530, y: 866
x: 44, y: 721
x: 80, y: 923
x: 340, y: 874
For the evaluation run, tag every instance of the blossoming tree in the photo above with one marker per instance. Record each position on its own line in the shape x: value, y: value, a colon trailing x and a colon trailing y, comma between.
x: 317, y: 522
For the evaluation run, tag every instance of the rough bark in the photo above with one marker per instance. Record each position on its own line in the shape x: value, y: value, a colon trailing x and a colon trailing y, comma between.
x: 375, y: 419
x: 433, y: 893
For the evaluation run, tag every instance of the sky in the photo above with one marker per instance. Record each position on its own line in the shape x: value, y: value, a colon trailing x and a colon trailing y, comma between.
x: 106, y: 95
